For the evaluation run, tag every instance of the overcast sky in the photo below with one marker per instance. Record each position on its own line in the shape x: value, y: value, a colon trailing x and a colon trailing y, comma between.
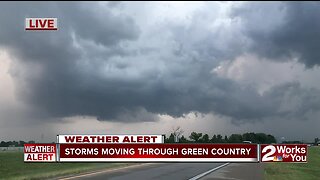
x: 146, y: 67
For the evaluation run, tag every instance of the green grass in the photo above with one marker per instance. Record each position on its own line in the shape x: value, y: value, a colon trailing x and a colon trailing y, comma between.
x: 295, y: 171
x: 13, y: 167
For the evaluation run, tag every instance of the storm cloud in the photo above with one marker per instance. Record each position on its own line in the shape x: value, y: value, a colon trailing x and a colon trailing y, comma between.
x: 106, y: 63
x: 282, y: 31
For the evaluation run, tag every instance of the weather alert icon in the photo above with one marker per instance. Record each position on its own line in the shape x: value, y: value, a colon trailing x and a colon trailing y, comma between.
x: 277, y: 158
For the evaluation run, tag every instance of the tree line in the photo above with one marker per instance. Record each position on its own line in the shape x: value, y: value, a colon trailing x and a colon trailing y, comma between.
x: 14, y: 143
x: 195, y: 137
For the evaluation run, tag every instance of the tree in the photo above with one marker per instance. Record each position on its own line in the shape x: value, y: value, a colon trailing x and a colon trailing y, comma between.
x: 21, y: 143
x: 170, y: 139
x: 261, y: 138
x: 219, y: 138
x: 174, y: 135
x: 3, y: 144
x: 195, y: 136
x: 183, y: 139
x: 235, y: 138
x: 226, y: 139
x: 270, y: 139
x: 205, y: 138
x: 214, y: 139
x: 249, y: 137
x: 177, y: 132
x: 14, y: 143
x: 316, y: 141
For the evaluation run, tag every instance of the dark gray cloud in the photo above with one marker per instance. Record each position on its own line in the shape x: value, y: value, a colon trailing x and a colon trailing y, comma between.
x: 59, y: 59
x: 282, y: 31
x: 102, y: 63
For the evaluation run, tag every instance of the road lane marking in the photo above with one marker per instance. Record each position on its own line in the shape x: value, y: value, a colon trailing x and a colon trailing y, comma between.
x: 208, y: 172
x: 104, y: 171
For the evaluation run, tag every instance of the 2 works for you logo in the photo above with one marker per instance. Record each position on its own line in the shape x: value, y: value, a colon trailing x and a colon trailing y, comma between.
x: 283, y: 153
x: 41, y: 24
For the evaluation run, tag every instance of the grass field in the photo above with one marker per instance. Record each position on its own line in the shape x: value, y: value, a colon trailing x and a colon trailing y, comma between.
x: 13, y: 167
x: 292, y: 171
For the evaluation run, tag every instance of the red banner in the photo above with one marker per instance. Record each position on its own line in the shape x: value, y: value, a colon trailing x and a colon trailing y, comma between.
x: 159, y: 152
x: 283, y: 152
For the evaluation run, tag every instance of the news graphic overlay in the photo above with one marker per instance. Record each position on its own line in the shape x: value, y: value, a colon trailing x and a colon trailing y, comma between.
x: 41, y: 24
x: 158, y: 152
x: 40, y: 152
x: 151, y: 148
x: 284, y: 153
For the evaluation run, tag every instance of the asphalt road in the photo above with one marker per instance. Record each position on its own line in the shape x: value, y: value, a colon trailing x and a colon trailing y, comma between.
x: 163, y: 171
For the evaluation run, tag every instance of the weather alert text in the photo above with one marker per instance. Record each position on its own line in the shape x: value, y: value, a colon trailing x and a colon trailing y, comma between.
x: 39, y: 153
